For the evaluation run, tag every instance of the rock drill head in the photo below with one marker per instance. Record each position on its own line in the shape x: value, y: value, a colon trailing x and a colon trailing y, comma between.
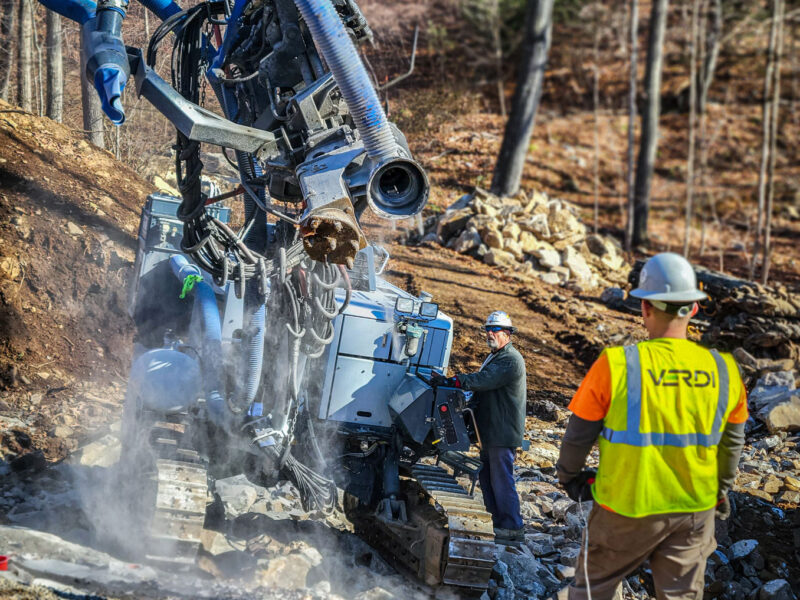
x: 332, y: 235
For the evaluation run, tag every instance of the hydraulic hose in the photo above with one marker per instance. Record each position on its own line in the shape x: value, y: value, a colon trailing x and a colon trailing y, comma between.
x: 206, y: 304
x: 255, y: 354
x: 339, y: 52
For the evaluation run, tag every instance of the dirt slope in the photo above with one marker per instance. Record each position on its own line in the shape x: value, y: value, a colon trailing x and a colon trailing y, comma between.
x: 68, y: 218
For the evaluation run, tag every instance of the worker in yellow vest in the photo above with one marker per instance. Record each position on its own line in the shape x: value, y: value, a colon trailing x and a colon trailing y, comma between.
x: 668, y: 415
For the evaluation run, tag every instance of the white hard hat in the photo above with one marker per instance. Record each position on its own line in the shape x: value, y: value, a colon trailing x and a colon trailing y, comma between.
x: 668, y: 277
x: 500, y: 319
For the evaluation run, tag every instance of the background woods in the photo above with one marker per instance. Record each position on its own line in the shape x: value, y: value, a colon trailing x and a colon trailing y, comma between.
x: 656, y: 117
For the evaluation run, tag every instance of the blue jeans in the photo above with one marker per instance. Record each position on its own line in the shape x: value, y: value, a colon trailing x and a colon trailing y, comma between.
x: 499, y: 489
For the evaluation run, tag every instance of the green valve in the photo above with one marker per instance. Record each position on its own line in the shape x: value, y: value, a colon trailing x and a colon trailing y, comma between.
x: 188, y: 284
x: 414, y: 331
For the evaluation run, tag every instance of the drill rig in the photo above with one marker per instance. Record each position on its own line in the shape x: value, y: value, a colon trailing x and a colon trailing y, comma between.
x: 257, y: 345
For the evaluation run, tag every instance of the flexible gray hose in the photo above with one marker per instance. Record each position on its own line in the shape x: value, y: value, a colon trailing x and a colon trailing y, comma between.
x: 339, y: 52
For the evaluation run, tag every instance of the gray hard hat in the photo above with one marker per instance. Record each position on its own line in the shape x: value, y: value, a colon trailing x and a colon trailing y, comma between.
x: 668, y: 277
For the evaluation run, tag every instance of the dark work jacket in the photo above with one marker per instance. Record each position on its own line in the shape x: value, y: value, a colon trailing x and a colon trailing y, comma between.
x: 500, y: 395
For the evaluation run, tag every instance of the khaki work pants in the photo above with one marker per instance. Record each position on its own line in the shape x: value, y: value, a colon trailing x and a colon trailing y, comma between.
x: 677, y: 546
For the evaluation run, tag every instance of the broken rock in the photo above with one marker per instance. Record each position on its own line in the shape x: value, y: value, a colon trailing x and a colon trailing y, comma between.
x: 578, y: 268
x: 499, y: 258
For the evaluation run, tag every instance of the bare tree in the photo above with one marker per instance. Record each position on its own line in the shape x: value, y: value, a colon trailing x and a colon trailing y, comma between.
x: 648, y: 144
x: 634, y: 46
x: 39, y: 63
x: 687, y: 234
x: 25, y: 57
x: 530, y: 80
x: 55, y: 68
x: 8, y: 25
x: 766, y: 119
x: 713, y: 34
x: 773, y: 142
x: 92, y: 110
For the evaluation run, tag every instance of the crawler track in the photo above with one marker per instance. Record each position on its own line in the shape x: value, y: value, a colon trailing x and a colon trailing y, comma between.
x: 448, y: 537
x: 181, y: 490
x: 166, y: 488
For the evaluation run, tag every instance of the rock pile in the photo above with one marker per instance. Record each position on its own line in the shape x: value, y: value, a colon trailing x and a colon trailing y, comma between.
x: 533, y: 235
x: 775, y: 399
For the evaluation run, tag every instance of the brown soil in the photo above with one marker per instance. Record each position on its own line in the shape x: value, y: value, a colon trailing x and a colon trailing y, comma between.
x: 68, y: 216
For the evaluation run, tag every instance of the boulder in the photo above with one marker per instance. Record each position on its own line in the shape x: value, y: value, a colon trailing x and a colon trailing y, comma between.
x: 578, y: 268
x: 743, y: 548
x: 550, y: 278
x: 487, y: 209
x: 499, y: 258
x: 463, y: 202
x: 536, y: 204
x: 777, y: 589
x: 468, y: 240
x: 548, y: 258
x: 563, y: 223
x: 510, y: 208
x: 537, y: 225
x: 286, y: 572
x: 514, y: 247
x: 452, y: 222
x: 512, y: 231
x: 237, y: 495
x: 783, y: 414
x: 493, y: 239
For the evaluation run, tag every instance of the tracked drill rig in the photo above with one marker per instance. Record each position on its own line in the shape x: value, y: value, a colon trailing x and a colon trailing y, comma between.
x: 275, y: 348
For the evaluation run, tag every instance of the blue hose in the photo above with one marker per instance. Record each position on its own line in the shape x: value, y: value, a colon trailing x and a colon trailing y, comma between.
x: 339, y: 52
x: 206, y: 301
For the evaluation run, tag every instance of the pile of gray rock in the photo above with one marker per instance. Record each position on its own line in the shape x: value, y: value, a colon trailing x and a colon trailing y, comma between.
x: 532, y: 235
x: 740, y: 571
x: 775, y: 399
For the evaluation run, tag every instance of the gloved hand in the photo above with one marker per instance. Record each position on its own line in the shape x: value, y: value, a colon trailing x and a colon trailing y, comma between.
x: 439, y: 380
x: 579, y: 489
x: 723, y: 508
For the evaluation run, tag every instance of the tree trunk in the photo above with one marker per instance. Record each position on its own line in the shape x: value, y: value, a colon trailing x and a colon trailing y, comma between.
x: 8, y: 32
x: 712, y: 45
x: 530, y: 80
x: 497, y: 41
x: 648, y: 144
x: 40, y: 108
x: 773, y: 142
x: 766, y: 119
x: 596, y: 112
x: 92, y: 110
x: 634, y: 33
x: 55, y: 68
x: 25, y: 57
x: 687, y: 234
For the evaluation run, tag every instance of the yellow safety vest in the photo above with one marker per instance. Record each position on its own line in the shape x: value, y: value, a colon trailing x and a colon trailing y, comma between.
x: 670, y: 400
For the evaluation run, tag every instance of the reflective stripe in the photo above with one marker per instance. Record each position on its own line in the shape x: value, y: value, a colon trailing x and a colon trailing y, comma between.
x: 634, y: 437
x: 633, y: 374
x: 680, y: 440
x: 722, y: 402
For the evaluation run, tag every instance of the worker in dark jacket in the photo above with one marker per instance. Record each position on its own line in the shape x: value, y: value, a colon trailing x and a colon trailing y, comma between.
x: 499, y: 399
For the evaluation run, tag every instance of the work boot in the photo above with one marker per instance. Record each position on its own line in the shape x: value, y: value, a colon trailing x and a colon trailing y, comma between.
x: 509, y: 537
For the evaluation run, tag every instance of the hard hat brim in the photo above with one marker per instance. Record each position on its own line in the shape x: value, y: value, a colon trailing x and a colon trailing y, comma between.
x: 677, y: 297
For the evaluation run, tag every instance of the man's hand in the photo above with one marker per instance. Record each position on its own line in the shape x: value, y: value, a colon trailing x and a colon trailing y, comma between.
x: 439, y: 380
x: 723, y: 508
x: 579, y: 489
